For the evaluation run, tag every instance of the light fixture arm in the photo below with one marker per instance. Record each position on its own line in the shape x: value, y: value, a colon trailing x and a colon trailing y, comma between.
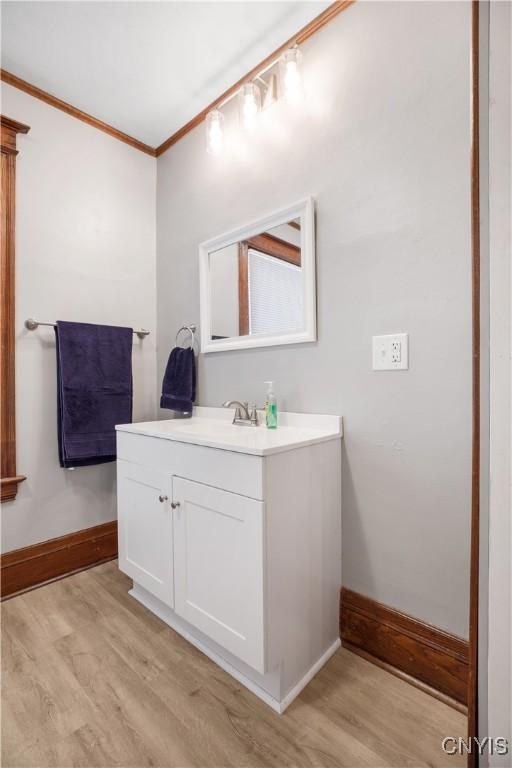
x: 258, y: 76
x: 262, y: 81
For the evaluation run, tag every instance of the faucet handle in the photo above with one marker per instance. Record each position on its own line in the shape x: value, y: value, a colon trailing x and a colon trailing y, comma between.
x: 253, y: 414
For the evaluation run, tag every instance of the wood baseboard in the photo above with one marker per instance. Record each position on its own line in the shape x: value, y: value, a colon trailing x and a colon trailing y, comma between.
x: 38, y: 564
x: 422, y: 654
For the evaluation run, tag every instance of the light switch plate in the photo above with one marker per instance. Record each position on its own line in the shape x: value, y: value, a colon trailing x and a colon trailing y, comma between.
x: 391, y: 352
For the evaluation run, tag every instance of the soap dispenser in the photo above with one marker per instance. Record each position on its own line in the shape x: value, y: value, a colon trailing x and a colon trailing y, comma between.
x: 271, y: 406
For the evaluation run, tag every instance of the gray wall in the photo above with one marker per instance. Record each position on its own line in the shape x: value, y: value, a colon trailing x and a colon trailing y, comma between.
x: 85, y: 251
x: 382, y: 143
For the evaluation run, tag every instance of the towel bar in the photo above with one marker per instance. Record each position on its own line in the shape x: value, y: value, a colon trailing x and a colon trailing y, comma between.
x: 32, y: 324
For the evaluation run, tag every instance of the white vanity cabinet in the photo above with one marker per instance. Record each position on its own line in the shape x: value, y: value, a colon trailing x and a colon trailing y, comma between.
x: 218, y: 567
x: 232, y: 535
x: 146, y: 528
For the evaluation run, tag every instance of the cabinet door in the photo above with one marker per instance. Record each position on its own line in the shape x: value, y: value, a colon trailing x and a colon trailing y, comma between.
x: 145, y: 528
x: 218, y: 567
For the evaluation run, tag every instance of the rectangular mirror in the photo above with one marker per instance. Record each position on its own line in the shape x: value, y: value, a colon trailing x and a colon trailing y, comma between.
x: 257, y: 283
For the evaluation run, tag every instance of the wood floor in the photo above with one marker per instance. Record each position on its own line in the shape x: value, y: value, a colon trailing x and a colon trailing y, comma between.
x: 91, y: 678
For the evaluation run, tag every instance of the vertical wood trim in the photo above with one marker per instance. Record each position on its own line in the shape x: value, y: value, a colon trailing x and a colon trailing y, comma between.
x: 475, y: 469
x: 8, y: 436
x: 9, y: 479
x: 243, y: 288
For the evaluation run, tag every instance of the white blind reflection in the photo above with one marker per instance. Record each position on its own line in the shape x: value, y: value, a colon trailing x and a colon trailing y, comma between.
x: 275, y: 294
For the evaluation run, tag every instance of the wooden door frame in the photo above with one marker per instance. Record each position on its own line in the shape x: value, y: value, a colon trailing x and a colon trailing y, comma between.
x: 472, y: 760
x: 9, y: 478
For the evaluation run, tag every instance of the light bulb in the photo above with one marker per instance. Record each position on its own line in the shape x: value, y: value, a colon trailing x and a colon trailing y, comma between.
x: 214, y: 132
x: 249, y: 102
x: 291, y: 75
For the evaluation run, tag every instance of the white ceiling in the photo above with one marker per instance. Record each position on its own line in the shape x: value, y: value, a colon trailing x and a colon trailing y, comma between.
x: 144, y: 67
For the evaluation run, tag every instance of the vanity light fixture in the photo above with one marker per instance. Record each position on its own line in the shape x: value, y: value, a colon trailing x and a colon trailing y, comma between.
x: 249, y: 95
x: 249, y: 102
x: 291, y: 73
x: 214, y: 132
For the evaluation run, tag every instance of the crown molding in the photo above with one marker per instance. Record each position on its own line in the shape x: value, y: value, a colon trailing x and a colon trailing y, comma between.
x: 300, y: 37
x: 53, y: 101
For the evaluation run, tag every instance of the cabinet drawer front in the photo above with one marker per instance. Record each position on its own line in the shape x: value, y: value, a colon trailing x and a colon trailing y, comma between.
x: 145, y: 529
x: 218, y: 561
x: 235, y: 472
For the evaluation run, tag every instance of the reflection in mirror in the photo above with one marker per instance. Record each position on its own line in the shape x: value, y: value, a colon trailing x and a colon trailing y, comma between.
x: 256, y: 284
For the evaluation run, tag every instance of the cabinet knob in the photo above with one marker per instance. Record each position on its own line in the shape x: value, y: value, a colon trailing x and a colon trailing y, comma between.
x: 175, y: 504
x: 163, y: 498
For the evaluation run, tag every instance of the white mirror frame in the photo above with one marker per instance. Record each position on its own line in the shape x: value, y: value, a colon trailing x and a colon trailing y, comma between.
x: 304, y: 210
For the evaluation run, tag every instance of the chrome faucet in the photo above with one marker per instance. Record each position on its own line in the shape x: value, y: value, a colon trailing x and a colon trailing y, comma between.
x: 243, y: 416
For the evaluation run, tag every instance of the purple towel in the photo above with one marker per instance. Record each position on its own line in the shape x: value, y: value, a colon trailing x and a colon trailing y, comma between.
x: 179, y: 384
x: 94, y: 390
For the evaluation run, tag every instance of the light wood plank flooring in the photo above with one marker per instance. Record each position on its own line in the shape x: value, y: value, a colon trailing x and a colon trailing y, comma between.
x: 91, y: 678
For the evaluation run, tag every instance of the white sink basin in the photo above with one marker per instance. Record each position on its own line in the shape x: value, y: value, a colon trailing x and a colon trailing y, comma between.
x: 212, y: 427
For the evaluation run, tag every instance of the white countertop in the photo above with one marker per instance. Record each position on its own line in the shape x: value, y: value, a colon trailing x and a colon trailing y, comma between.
x: 212, y: 427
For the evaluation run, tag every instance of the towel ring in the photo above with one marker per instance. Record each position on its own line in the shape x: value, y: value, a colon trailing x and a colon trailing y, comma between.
x: 192, y: 330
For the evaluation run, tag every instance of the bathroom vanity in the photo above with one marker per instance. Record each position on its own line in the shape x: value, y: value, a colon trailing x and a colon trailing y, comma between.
x: 232, y: 536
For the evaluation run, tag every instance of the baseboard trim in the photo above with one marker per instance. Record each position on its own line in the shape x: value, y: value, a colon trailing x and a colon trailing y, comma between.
x: 297, y: 689
x: 426, y: 656
x: 29, y: 567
